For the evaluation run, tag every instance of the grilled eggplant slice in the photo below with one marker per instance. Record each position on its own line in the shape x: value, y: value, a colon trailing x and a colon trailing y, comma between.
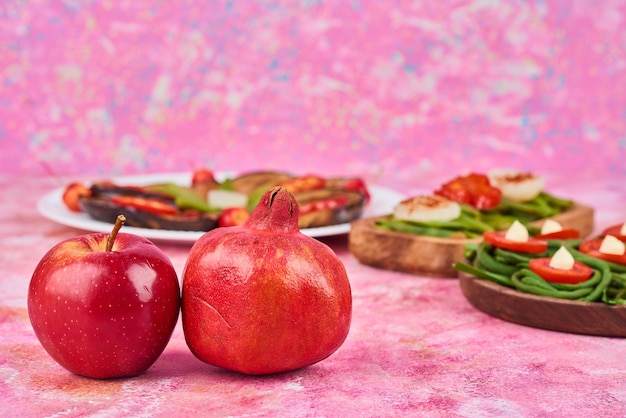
x: 325, y: 207
x: 249, y: 182
x: 105, y: 211
x: 159, y: 210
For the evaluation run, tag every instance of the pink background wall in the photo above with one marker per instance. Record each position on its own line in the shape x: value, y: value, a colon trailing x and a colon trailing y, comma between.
x: 400, y: 88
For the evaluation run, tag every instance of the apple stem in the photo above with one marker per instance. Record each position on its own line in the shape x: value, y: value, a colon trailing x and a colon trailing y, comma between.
x: 119, y: 221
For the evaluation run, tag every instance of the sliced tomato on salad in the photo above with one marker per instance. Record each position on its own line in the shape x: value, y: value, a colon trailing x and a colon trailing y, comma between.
x: 615, y: 230
x: 568, y: 233
x: 592, y: 248
x: 532, y: 246
x: 472, y: 189
x: 579, y: 273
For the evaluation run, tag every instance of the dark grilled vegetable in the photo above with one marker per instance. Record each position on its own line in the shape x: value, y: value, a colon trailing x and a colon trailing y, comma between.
x: 143, y: 208
x: 170, y: 206
x: 249, y: 182
x: 324, y: 207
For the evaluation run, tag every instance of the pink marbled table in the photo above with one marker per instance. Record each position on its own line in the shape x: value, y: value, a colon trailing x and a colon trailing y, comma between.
x: 416, y: 348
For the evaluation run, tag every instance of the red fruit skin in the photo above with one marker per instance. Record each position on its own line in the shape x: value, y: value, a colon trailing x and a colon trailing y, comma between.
x: 263, y: 298
x: 104, y: 314
x: 201, y: 176
x: 233, y: 216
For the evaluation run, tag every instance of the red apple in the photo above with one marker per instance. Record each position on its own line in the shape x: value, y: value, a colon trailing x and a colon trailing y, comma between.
x: 104, y: 305
x: 262, y: 297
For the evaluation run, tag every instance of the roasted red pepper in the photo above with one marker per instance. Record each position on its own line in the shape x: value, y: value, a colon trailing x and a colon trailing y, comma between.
x: 330, y: 203
x: 358, y: 185
x: 472, y: 189
x: 154, y: 206
x: 304, y: 183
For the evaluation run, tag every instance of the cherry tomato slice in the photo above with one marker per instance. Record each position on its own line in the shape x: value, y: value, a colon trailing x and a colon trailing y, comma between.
x: 472, y: 189
x: 72, y: 194
x: 154, y: 206
x: 568, y: 233
x: 615, y: 231
x: 592, y: 247
x: 233, y: 216
x: 532, y: 246
x: 579, y: 273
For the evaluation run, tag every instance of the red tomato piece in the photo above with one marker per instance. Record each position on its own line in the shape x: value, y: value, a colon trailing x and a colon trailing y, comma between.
x: 592, y: 247
x: 532, y: 246
x: 154, y: 206
x: 72, y: 194
x: 615, y: 231
x: 359, y: 186
x: 568, y: 233
x: 579, y: 273
x: 233, y: 216
x: 202, y: 175
x: 472, y: 189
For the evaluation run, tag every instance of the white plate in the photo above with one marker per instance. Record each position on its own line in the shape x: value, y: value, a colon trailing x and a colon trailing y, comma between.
x: 52, y: 207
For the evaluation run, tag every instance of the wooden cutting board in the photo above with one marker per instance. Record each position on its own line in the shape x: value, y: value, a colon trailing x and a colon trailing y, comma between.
x: 590, y: 318
x: 430, y: 256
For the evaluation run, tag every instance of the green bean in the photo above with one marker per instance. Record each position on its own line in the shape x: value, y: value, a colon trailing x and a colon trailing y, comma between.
x: 614, y: 296
x: 401, y: 226
x: 482, y: 274
x: 604, y: 280
x: 464, y: 224
x: 555, y: 244
x: 529, y: 208
x: 615, y: 267
x: 489, y: 263
x: 618, y: 280
x: 512, y: 257
x: 541, y: 203
x: 543, y: 291
x: 592, y: 281
x: 470, y: 251
x: 474, y: 223
x: 556, y: 202
x: 535, y: 280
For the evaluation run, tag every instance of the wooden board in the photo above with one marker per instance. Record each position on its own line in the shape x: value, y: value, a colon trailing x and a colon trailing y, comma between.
x: 430, y: 256
x: 589, y: 318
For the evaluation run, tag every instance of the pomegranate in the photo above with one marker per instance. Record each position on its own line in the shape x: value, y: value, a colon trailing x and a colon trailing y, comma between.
x: 262, y: 297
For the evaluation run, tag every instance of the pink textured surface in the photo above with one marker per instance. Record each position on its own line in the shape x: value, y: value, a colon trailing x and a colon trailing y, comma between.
x: 416, y: 348
x: 412, y: 88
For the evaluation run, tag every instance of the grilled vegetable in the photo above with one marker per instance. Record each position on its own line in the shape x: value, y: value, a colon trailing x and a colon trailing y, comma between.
x: 324, y: 207
x: 143, y: 208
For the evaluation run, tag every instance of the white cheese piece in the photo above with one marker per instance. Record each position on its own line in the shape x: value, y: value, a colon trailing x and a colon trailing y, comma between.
x: 223, y: 199
x: 550, y: 226
x: 517, y: 232
x: 611, y: 245
x: 622, y: 230
x: 516, y: 185
x: 562, y: 259
x: 427, y: 209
